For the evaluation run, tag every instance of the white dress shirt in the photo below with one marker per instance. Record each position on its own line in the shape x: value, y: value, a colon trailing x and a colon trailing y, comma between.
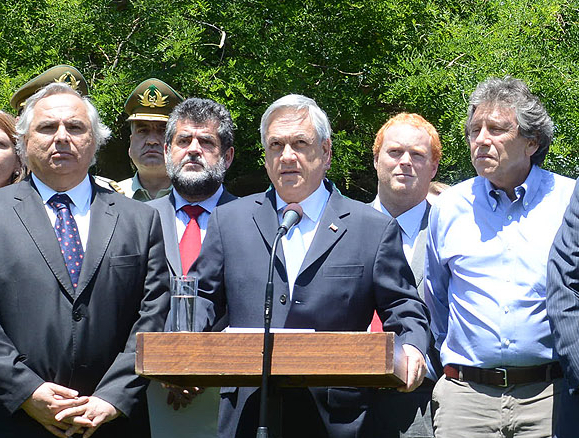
x: 409, y: 223
x: 80, y: 207
x: 313, y: 207
x: 182, y: 219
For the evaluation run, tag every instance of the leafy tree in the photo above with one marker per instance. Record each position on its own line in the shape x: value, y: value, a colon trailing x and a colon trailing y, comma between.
x: 361, y: 61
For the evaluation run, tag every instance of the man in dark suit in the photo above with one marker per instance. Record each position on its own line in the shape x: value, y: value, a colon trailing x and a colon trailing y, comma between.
x: 198, y: 152
x: 563, y: 312
x: 83, y: 270
x: 340, y: 263
x: 407, y: 151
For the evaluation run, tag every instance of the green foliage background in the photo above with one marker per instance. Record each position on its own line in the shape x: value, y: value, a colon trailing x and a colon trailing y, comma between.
x: 362, y: 61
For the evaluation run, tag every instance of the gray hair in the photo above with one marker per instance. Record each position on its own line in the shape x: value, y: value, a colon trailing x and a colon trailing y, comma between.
x: 532, y: 118
x: 100, y: 132
x: 201, y: 111
x: 298, y: 102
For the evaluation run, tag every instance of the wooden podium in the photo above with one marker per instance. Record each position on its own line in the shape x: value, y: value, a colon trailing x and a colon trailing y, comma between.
x: 299, y: 359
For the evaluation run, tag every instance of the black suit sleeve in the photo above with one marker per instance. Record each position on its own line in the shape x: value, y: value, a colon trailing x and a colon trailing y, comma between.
x: 397, y: 301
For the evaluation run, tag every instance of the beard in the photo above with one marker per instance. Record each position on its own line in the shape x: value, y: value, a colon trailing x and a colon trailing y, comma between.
x: 201, y: 184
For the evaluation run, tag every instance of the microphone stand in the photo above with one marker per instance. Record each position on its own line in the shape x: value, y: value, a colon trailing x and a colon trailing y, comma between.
x: 262, y: 430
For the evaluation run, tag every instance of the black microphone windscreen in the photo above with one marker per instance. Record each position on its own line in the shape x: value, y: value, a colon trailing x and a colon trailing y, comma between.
x: 293, y: 207
x: 291, y: 216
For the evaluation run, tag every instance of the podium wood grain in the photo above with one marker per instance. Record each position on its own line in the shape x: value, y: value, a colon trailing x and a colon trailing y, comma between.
x: 299, y: 359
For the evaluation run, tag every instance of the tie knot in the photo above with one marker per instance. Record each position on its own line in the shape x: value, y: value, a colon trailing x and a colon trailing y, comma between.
x: 193, y: 211
x: 59, y: 201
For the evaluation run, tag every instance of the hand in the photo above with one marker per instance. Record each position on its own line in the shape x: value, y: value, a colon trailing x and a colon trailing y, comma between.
x: 415, y: 368
x: 181, y: 397
x: 47, y: 401
x: 89, y: 416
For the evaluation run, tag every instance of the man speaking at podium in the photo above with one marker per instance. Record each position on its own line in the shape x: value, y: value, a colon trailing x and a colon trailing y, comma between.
x: 340, y: 263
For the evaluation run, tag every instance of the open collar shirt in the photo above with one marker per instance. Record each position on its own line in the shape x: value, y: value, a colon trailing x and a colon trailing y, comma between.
x: 486, y: 267
x: 136, y: 190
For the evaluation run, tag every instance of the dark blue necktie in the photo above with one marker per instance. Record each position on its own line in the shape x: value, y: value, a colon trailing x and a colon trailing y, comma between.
x: 68, y: 236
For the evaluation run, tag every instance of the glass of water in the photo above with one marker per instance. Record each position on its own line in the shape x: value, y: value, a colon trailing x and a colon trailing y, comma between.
x: 183, y: 301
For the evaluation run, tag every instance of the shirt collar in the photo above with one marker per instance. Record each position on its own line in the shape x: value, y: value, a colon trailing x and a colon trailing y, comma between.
x: 79, y: 195
x: 313, y: 205
x: 410, y: 220
x: 208, y: 204
x: 137, y: 187
x: 525, y: 192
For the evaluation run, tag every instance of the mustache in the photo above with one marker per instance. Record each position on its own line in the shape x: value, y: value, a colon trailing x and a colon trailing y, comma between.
x: 193, y: 160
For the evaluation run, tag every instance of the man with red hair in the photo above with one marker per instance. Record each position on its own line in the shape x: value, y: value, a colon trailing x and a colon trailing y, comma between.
x: 407, y: 151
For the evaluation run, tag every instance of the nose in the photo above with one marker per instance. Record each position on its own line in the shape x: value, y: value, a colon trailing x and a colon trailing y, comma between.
x: 406, y: 159
x: 154, y: 138
x: 287, y: 154
x: 61, y: 135
x: 482, y: 137
x: 194, y: 147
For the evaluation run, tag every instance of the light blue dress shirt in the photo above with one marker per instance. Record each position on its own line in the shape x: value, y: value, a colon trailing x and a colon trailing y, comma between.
x: 313, y: 207
x: 182, y: 218
x: 80, y: 196
x: 486, y: 267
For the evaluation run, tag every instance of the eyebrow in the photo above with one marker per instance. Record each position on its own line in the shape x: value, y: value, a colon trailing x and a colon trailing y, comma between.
x: 300, y: 136
x: 207, y: 136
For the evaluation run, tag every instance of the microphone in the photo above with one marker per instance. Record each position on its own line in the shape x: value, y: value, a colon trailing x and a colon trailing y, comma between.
x: 291, y: 216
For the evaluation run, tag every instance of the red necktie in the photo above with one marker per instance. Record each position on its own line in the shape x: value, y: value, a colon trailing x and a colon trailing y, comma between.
x: 376, y: 325
x: 190, y: 243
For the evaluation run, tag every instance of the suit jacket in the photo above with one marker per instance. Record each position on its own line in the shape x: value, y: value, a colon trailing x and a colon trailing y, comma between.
x: 417, y: 262
x: 354, y: 265
x: 563, y: 311
x: 197, y: 420
x: 166, y: 208
x: 83, y: 339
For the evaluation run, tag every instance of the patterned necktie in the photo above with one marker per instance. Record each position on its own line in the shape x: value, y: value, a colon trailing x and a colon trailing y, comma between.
x: 190, y: 243
x: 68, y: 236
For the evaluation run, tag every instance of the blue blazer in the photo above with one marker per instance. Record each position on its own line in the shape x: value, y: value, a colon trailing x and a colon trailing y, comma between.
x: 355, y: 264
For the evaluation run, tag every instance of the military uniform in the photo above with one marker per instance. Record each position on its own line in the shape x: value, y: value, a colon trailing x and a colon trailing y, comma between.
x: 132, y: 188
x: 152, y: 100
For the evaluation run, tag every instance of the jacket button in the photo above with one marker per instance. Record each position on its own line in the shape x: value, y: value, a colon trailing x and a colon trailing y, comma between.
x: 283, y: 299
x: 76, y: 315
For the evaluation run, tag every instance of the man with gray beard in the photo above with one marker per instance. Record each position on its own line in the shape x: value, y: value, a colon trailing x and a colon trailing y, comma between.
x: 198, y: 152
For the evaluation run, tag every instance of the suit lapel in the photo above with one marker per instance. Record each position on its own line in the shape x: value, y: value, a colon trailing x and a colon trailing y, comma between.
x: 330, y: 229
x: 225, y: 197
x: 417, y: 264
x: 265, y: 218
x: 168, y: 214
x: 103, y: 220
x: 32, y: 213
